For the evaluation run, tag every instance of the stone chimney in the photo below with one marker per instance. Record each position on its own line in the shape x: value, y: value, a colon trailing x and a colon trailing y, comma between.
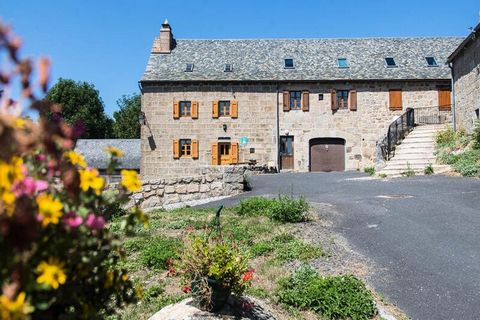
x: 165, y: 42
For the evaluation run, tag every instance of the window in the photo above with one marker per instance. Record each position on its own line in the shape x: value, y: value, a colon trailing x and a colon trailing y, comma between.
x: 289, y: 64
x: 224, y: 149
x: 189, y: 67
x: 342, y: 99
x: 431, y: 62
x: 185, y: 148
x: 295, y: 100
x: 477, y: 113
x: 228, y: 67
x: 390, y: 63
x: 342, y: 63
x: 224, y: 108
x: 185, y: 109
x: 286, y: 145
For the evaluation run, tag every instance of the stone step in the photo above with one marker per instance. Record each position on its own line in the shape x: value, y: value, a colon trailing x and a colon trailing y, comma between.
x: 403, y: 167
x: 421, y: 135
x: 417, y: 140
x: 413, y: 156
x: 417, y: 161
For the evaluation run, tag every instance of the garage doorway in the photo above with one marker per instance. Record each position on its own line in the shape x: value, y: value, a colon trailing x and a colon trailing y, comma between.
x: 327, y: 154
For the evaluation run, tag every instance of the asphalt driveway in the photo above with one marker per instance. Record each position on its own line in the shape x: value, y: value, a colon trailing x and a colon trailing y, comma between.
x: 423, y: 234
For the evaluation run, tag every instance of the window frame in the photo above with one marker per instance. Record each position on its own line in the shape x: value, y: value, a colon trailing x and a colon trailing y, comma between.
x: 394, y: 65
x: 220, y: 113
x: 228, y: 67
x: 180, y: 105
x: 187, y: 152
x: 339, y: 65
x: 347, y: 104
x: 292, y: 96
x: 435, y: 63
x: 189, y: 67
x: 285, y: 63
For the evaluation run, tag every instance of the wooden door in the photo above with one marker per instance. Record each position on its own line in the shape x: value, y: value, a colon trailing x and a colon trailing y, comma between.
x: 444, y: 99
x: 225, y: 152
x: 327, y: 154
x: 286, y: 152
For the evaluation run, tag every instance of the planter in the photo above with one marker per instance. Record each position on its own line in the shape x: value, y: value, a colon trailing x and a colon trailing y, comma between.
x: 219, y: 295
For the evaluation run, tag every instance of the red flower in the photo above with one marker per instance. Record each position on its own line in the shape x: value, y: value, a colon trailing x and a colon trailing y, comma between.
x: 171, y: 272
x: 247, y: 276
x: 186, y: 289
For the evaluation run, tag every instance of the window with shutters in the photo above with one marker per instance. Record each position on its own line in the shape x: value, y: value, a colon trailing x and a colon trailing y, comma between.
x: 295, y: 100
x: 185, y: 147
x: 395, y: 97
x: 342, y: 99
x: 185, y: 108
x: 224, y: 108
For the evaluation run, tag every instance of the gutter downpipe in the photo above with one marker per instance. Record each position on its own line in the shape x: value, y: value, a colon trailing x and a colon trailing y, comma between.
x: 278, y: 129
x: 453, y: 97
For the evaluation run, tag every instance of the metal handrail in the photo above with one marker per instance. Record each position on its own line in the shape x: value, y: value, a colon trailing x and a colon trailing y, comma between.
x: 398, y: 130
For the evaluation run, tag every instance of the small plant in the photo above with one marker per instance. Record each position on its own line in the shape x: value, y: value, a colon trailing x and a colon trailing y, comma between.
x: 445, y: 137
x: 382, y: 175
x: 158, y: 251
x: 335, y: 297
x: 370, y: 170
x: 476, y: 135
x: 428, y: 170
x: 255, y: 206
x: 289, y: 209
x: 409, y: 172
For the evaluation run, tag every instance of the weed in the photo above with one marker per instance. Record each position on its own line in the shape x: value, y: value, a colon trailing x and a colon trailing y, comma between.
x: 409, y: 172
x: 156, y: 251
x: 370, y: 170
x: 428, y: 169
x: 255, y: 206
x: 289, y: 209
x: 382, y: 175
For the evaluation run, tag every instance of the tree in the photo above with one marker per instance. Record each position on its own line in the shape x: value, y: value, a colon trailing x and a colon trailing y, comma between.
x: 81, y: 102
x: 126, y: 124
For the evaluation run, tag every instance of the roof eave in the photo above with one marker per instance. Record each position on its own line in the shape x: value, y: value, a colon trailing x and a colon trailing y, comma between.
x: 464, y: 43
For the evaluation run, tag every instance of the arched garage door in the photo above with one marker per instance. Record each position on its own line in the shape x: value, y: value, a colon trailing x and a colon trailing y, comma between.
x: 327, y: 154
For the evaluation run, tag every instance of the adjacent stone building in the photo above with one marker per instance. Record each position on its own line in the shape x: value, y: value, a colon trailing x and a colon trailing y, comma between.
x: 465, y: 64
x: 296, y: 104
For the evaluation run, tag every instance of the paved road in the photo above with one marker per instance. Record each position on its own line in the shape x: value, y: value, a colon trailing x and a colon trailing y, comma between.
x: 423, y: 233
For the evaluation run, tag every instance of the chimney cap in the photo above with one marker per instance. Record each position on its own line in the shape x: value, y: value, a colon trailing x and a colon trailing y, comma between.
x: 165, y: 23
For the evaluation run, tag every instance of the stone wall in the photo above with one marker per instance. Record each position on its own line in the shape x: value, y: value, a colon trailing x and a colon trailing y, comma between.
x: 207, y: 183
x: 466, y: 67
x: 257, y: 120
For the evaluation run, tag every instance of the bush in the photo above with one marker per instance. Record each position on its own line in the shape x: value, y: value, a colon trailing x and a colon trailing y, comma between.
x: 370, y: 170
x: 428, y: 170
x: 255, y: 206
x: 340, y: 297
x: 476, y: 135
x: 289, y: 209
x: 155, y: 253
x: 445, y: 137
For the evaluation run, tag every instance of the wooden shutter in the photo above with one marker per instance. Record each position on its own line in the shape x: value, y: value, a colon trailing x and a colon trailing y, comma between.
x: 333, y: 97
x: 215, y: 109
x: 214, y: 154
x: 194, y: 149
x: 395, y: 99
x: 444, y: 99
x: 234, y: 153
x: 194, y: 109
x: 305, y: 101
x: 286, y: 101
x: 234, y: 109
x: 176, y: 149
x: 176, y: 110
x: 353, y: 100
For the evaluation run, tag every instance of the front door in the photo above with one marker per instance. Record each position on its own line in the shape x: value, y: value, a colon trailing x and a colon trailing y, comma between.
x: 225, y: 151
x: 286, y: 152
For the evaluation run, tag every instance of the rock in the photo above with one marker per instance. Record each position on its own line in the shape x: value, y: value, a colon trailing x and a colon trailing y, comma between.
x: 193, y: 187
x: 151, y: 203
x: 204, y: 188
x: 169, y: 189
x: 181, y: 188
x: 236, y: 308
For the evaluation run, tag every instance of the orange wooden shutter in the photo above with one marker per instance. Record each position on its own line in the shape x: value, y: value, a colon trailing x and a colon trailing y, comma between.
x: 305, y: 101
x: 215, y: 109
x: 353, y: 100
x: 333, y: 97
x: 395, y: 99
x: 194, y: 109
x: 234, y: 153
x: 286, y: 101
x: 234, y: 109
x: 194, y: 149
x: 176, y: 149
x: 444, y: 99
x: 176, y: 110
x: 215, y: 154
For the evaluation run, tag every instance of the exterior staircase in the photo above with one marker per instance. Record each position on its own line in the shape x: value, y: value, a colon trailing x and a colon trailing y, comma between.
x: 415, y: 153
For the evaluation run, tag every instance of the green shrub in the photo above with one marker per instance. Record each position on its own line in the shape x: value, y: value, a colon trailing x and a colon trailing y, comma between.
x: 409, y: 172
x: 428, y: 170
x: 158, y: 250
x: 370, y: 170
x: 289, y: 209
x: 382, y: 175
x: 340, y: 297
x: 445, y: 137
x: 261, y: 248
x: 296, y: 249
x: 476, y: 135
x: 255, y: 206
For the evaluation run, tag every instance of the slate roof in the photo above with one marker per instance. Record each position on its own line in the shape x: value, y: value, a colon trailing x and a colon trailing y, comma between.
x: 315, y: 59
x: 93, y: 150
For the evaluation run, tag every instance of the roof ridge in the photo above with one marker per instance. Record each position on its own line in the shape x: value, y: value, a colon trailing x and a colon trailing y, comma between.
x: 333, y: 38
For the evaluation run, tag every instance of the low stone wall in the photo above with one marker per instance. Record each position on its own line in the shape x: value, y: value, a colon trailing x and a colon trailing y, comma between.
x: 209, y: 182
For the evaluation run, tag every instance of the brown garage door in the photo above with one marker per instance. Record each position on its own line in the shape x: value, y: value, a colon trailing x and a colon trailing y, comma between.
x: 327, y: 154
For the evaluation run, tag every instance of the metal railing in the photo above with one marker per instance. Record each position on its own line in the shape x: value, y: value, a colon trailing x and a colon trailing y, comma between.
x: 397, y: 131
x: 433, y: 115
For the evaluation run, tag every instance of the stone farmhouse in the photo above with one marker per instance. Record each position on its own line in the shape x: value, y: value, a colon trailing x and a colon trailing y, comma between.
x: 465, y: 63
x: 293, y: 104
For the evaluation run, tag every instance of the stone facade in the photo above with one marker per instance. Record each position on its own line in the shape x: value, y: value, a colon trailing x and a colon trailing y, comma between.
x: 466, y: 74
x: 257, y: 120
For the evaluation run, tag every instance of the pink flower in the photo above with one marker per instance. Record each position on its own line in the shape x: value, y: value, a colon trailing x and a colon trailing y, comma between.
x: 29, y: 187
x: 72, y: 220
x: 95, y: 222
x: 41, y: 157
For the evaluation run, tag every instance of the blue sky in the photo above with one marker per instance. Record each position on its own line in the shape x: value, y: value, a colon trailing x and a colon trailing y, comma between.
x: 107, y: 42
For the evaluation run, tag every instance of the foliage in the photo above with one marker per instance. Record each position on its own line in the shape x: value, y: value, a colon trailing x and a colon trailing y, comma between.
x: 158, y: 251
x: 428, y: 170
x: 284, y: 208
x: 476, y: 135
x: 445, y: 137
x: 370, y: 170
x: 335, y: 297
x: 409, y: 172
x: 82, y: 107
x: 126, y: 124
x: 59, y: 261
x: 382, y: 175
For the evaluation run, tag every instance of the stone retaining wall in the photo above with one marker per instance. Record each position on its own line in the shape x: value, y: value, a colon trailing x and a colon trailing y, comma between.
x: 209, y: 182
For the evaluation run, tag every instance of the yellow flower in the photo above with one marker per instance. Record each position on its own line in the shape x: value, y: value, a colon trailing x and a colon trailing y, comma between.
x: 125, y: 277
x: 14, y: 309
x: 18, y: 123
x: 75, y: 158
x: 114, y: 152
x: 9, y: 174
x: 130, y: 180
x: 89, y: 179
x: 51, y: 273
x: 49, y: 209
